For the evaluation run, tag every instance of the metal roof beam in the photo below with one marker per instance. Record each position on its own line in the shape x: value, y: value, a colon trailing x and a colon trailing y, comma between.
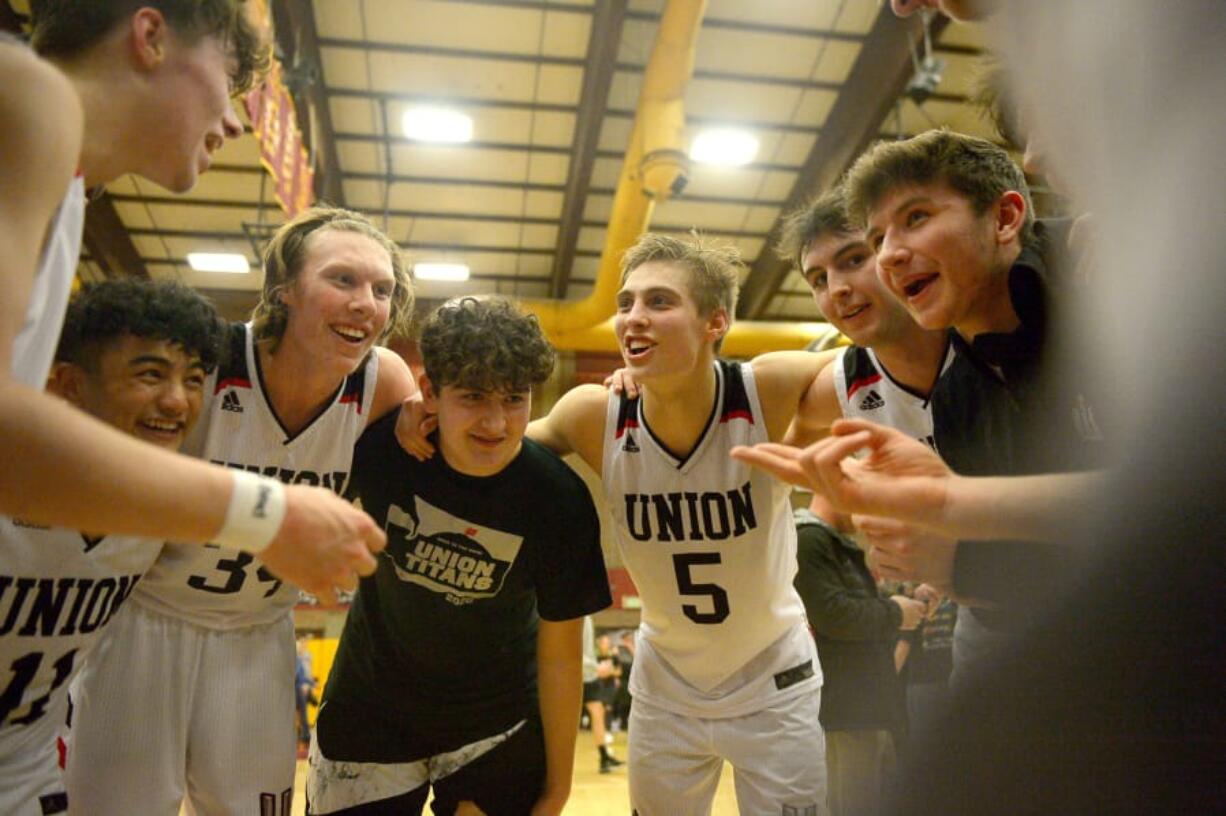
x: 604, y: 39
x: 877, y: 79
x: 109, y: 242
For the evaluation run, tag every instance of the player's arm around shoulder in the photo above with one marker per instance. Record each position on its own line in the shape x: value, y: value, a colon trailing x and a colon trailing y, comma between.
x: 789, y: 382
x: 575, y: 424
x: 395, y: 384
x: 40, y: 144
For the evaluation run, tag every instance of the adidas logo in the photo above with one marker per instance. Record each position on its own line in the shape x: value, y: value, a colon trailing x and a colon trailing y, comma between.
x: 630, y: 447
x: 871, y: 402
x: 230, y: 402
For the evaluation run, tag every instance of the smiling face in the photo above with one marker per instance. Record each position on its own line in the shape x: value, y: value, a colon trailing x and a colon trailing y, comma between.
x: 190, y: 110
x: 151, y: 389
x: 841, y: 271
x: 946, y: 263
x: 340, y: 299
x: 658, y: 327
x: 479, y: 432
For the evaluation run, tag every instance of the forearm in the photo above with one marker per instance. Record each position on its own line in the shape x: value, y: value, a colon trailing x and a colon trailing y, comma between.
x: 64, y: 468
x: 560, y: 683
x: 1028, y: 508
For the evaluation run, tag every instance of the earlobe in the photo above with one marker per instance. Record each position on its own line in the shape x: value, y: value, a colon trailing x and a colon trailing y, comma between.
x: 718, y: 324
x: 428, y: 397
x: 1010, y: 216
x: 65, y: 382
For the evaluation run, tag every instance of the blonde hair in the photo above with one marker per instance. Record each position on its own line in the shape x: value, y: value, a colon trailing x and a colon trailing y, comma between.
x: 286, y: 252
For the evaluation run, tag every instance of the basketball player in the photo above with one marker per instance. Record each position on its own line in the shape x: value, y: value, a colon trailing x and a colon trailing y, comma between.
x: 889, y: 372
x: 134, y: 354
x: 206, y: 648
x: 724, y: 655
x: 493, y: 560
x: 142, y: 90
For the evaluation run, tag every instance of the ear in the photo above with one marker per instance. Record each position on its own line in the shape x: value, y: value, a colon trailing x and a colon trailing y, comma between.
x: 67, y: 381
x: 718, y: 324
x: 428, y: 396
x: 1010, y: 214
x: 149, y: 35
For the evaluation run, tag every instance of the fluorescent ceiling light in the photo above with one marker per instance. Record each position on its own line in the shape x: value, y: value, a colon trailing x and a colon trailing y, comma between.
x: 724, y: 146
x: 432, y: 124
x: 441, y: 271
x: 230, y: 262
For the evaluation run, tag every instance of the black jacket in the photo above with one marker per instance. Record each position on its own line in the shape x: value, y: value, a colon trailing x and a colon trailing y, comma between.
x: 854, y: 627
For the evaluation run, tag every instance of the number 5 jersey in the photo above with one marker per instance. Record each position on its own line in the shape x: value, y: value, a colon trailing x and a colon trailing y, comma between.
x: 711, y: 547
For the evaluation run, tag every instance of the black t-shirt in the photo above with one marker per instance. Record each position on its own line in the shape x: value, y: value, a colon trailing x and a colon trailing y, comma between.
x: 1012, y: 405
x: 442, y: 638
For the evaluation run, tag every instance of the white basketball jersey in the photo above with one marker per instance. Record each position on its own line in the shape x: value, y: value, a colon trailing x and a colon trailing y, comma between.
x: 711, y: 547
x: 58, y: 589
x: 221, y: 588
x: 866, y: 391
x: 34, y: 346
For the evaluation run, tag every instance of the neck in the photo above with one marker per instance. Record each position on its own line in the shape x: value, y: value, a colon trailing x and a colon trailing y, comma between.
x: 107, y: 145
x: 677, y: 407
x: 295, y: 385
x: 914, y: 360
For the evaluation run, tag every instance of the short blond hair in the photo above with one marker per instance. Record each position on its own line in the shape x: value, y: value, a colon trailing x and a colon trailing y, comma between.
x: 714, y: 268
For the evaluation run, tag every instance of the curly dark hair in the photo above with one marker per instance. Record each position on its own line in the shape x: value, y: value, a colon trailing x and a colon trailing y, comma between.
x: 64, y: 28
x: 485, y: 344
x: 161, y: 310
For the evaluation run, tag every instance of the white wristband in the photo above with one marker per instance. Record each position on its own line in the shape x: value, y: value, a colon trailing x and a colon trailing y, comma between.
x: 257, y: 507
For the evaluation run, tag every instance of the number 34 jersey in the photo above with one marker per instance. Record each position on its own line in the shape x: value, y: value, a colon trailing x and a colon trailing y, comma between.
x: 708, y: 541
x: 222, y: 588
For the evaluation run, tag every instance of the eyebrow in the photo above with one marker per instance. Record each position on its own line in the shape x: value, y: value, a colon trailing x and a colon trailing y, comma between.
x: 156, y: 359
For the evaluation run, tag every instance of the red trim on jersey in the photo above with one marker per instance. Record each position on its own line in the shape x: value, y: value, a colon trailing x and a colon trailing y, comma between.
x: 630, y: 423
x: 860, y: 383
x: 356, y: 399
x: 237, y: 382
x: 61, y: 751
x: 738, y: 414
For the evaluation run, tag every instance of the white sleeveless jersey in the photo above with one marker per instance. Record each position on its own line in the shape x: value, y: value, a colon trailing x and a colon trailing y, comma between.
x: 34, y: 346
x: 866, y: 392
x: 222, y: 588
x: 711, y: 547
x: 58, y: 589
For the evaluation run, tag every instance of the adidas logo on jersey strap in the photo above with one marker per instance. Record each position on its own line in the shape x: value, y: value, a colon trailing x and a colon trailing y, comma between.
x: 230, y: 402
x: 630, y: 447
x: 872, y: 401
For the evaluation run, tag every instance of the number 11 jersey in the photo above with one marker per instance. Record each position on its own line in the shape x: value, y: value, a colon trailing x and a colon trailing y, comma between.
x: 222, y: 588
x: 711, y: 547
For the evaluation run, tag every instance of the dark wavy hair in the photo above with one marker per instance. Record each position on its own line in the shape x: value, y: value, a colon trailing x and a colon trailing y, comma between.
x: 159, y: 310
x: 824, y: 214
x: 65, y: 28
x: 485, y: 344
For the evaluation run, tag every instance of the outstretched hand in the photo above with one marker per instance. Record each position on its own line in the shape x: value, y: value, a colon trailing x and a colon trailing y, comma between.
x: 895, y: 476
x: 413, y: 426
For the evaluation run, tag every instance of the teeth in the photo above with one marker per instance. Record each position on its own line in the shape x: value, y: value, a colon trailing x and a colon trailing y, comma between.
x: 352, y: 334
x: 160, y: 425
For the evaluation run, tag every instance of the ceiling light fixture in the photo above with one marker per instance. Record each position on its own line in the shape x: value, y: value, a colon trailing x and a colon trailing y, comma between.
x: 728, y: 147
x: 228, y: 262
x: 441, y: 271
x: 434, y: 124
